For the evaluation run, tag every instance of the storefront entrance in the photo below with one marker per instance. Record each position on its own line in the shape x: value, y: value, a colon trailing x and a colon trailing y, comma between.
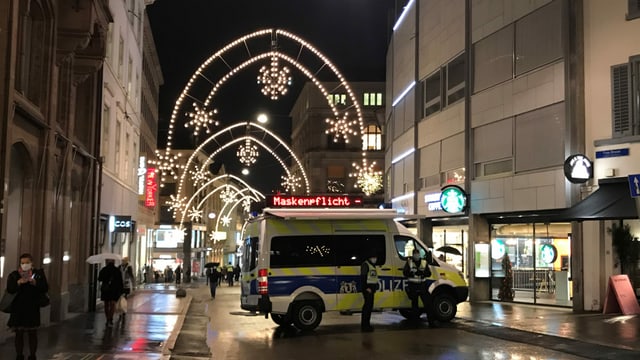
x: 532, y: 262
x: 450, y: 244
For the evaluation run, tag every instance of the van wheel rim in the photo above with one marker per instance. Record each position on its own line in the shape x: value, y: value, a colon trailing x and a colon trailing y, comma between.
x: 307, y: 315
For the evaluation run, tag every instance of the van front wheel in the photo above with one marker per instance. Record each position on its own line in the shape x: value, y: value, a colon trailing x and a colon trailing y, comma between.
x: 444, y: 307
x: 306, y: 315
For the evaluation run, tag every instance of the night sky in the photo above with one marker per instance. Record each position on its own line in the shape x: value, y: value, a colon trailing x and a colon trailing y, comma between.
x: 353, y: 34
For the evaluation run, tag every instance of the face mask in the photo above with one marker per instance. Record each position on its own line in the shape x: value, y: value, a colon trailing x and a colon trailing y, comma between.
x: 25, y: 267
x: 373, y: 260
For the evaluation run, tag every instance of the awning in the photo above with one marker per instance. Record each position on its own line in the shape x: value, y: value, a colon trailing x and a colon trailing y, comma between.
x: 612, y: 201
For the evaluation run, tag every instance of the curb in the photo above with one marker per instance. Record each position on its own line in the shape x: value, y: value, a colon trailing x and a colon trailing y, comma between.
x: 169, y: 345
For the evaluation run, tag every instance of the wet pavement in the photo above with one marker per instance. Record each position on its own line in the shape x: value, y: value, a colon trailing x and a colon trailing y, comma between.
x: 161, y: 326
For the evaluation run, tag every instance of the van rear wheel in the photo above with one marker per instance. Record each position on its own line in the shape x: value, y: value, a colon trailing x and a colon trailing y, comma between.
x: 280, y: 319
x: 306, y: 315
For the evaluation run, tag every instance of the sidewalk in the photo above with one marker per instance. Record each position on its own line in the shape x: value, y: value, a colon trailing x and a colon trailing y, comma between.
x: 156, y: 316
x: 148, y: 331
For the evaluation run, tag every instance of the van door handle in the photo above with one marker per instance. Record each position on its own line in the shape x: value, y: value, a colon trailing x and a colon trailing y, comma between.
x: 386, y: 269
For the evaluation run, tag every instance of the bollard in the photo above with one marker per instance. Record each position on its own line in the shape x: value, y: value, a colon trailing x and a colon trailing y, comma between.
x: 181, y: 293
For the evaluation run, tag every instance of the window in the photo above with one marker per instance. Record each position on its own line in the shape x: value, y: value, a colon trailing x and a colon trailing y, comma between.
x: 250, y: 254
x: 337, y: 99
x: 444, y: 87
x: 130, y: 78
x: 352, y: 250
x: 625, y: 98
x: 302, y: 251
x: 493, y: 59
x: 126, y: 156
x: 634, y: 9
x: 117, y: 146
x: 372, y: 138
x: 109, y: 44
x: 106, y: 121
x: 539, y: 141
x: 120, y: 58
x: 372, y: 99
x: 33, y: 35
x: 405, y: 245
x: 538, y: 38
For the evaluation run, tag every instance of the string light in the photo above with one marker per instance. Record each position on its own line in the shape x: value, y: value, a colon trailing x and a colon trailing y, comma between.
x: 201, y: 119
x: 228, y: 195
x: 176, y: 204
x: 274, y: 79
x: 342, y: 127
x: 167, y: 165
x: 246, y: 205
x: 225, y: 220
x: 247, y: 153
x: 367, y: 178
x: 195, y: 214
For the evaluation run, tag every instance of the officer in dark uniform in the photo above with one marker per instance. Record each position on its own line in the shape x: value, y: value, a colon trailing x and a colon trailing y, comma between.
x: 369, y: 281
x: 417, y: 271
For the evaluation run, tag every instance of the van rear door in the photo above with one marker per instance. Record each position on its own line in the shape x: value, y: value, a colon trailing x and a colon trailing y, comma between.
x: 248, y: 278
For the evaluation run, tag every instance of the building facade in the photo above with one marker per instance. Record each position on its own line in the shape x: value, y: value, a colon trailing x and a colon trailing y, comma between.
x: 50, y: 100
x: 327, y: 160
x: 495, y: 98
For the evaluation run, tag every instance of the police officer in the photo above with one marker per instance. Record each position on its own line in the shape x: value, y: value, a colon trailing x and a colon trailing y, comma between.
x: 369, y: 281
x: 417, y: 271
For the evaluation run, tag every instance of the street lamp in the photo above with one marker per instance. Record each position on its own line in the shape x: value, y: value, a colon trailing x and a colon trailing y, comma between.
x: 263, y: 118
x: 245, y: 171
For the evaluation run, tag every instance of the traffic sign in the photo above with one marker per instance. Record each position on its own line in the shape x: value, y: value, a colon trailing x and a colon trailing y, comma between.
x: 634, y: 185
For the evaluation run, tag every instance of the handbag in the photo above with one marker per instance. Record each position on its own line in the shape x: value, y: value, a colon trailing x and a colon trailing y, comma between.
x: 121, y: 305
x: 6, y: 301
x: 44, y: 300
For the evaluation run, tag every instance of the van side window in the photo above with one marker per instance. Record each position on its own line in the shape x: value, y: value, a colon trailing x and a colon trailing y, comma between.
x: 302, y: 251
x: 405, y: 246
x: 352, y: 250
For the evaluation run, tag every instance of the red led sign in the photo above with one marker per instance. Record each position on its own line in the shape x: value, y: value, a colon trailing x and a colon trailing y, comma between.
x: 314, y: 201
x: 150, y: 188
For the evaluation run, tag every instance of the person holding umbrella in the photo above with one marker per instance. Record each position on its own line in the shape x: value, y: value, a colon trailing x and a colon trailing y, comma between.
x: 110, y: 289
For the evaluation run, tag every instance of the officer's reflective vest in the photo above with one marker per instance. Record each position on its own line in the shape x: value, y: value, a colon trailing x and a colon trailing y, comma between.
x: 412, y: 265
x: 372, y: 274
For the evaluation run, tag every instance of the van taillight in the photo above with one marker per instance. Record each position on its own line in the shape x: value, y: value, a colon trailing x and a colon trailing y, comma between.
x: 263, y: 283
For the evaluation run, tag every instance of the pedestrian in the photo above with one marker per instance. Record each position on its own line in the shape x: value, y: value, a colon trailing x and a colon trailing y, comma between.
x: 29, y: 285
x: 230, y: 274
x: 236, y: 273
x: 223, y: 274
x: 369, y: 284
x: 178, y: 272
x: 128, y: 280
x: 416, y: 271
x: 111, y: 288
x: 145, y: 274
x: 213, y: 277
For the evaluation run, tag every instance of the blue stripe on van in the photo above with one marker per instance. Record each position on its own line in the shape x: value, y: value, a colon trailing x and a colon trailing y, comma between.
x: 285, y: 285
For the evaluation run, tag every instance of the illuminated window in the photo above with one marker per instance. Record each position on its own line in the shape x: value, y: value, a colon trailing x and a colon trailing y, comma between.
x: 337, y: 99
x: 117, y: 146
x: 372, y: 138
x: 372, y: 99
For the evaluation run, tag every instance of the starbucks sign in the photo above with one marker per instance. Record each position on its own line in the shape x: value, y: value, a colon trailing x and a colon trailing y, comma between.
x: 453, y: 199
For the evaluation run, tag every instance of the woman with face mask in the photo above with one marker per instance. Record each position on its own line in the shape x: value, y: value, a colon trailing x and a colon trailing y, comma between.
x: 29, y: 285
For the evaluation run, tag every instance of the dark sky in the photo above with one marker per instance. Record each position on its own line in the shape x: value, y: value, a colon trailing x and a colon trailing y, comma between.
x: 353, y: 34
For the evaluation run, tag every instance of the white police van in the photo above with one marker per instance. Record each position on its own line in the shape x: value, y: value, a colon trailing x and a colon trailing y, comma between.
x: 298, y: 263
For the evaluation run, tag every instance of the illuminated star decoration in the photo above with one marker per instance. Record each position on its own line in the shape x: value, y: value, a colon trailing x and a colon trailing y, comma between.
x: 199, y: 177
x: 212, y: 236
x: 228, y: 195
x: 195, y: 214
x: 176, y: 204
x: 246, y: 205
x: 367, y: 179
x: 201, y: 119
x: 247, y: 153
x: 341, y: 127
x: 167, y: 165
x: 225, y: 220
x: 290, y: 183
x: 275, y: 81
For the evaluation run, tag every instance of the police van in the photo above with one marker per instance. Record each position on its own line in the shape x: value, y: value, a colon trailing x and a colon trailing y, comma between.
x: 298, y: 263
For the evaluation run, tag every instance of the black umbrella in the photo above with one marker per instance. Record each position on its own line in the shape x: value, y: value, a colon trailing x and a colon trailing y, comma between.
x: 449, y: 250
x: 211, y: 264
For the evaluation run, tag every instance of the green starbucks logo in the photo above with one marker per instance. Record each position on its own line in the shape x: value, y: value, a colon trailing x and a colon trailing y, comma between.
x: 453, y: 199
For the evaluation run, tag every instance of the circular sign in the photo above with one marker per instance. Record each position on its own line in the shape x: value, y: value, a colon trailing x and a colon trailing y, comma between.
x: 548, y: 253
x: 453, y: 199
x: 578, y: 169
x: 498, y: 249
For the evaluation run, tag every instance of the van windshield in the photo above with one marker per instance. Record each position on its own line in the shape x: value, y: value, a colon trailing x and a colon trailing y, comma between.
x: 249, y: 254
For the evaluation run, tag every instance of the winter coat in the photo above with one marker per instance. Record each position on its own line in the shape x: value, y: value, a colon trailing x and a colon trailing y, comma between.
x: 25, y: 309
